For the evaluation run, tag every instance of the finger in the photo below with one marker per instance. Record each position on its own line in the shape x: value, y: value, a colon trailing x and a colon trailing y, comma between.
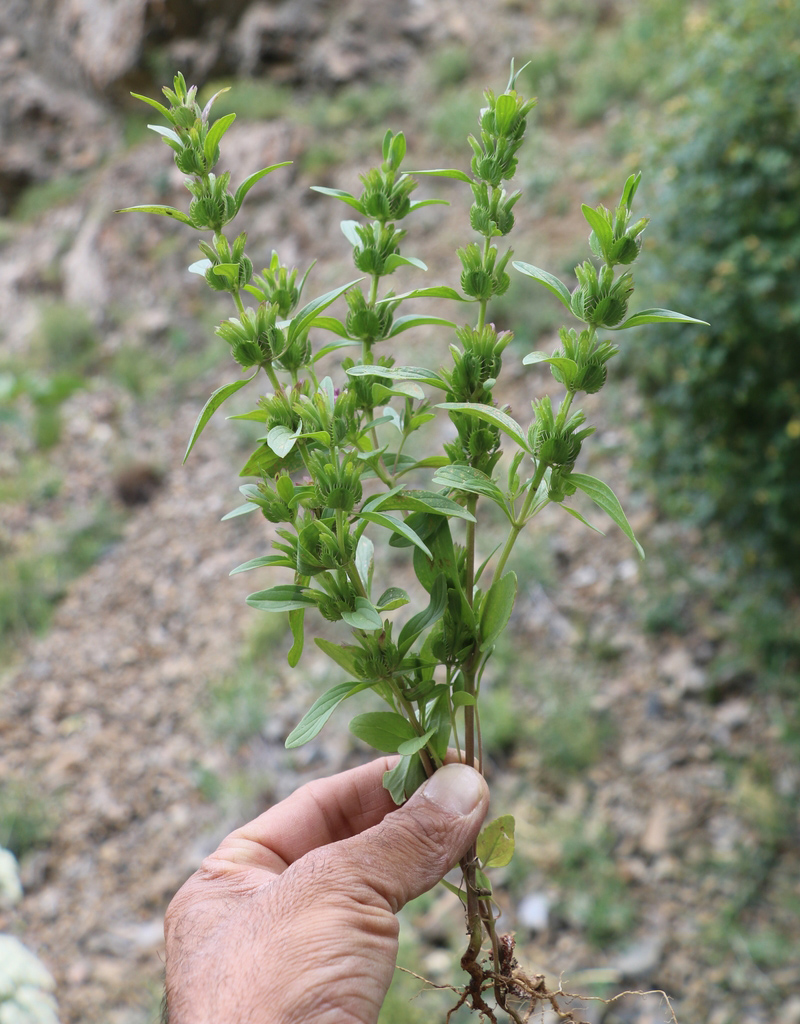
x: 415, y: 846
x: 321, y: 812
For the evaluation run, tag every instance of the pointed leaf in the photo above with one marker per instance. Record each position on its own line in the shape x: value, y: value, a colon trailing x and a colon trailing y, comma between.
x: 259, y: 563
x: 393, y: 597
x: 417, y: 743
x: 495, y: 845
x: 427, y: 202
x: 497, y: 609
x: 383, y: 730
x: 419, y: 623
x: 602, y: 495
x: 490, y: 414
x: 598, y: 223
x: 215, y: 133
x: 153, y: 103
x: 248, y: 183
x: 419, y: 501
x: 163, y: 211
x: 345, y: 197
x: 320, y: 711
x: 658, y: 316
x: 463, y: 699
x: 241, y: 510
x: 418, y: 373
x: 404, y: 323
x: 465, y: 478
x: 282, y: 599
x: 365, y: 561
x: 343, y: 654
x: 396, y: 260
x: 211, y: 406
x: 166, y: 133
x: 330, y: 323
x: 558, y: 288
x: 445, y: 172
x: 303, y: 319
x: 575, y: 514
x: 296, y: 617
x: 396, y: 526
x: 439, y: 291
x: 405, y: 778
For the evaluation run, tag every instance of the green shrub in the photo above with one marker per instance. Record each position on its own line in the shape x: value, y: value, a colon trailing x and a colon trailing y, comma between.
x: 724, y: 433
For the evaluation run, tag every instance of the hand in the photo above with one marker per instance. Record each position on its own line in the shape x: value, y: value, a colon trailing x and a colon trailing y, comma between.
x: 293, y: 918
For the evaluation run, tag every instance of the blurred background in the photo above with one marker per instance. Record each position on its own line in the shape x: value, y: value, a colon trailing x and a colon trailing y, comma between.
x: 648, y: 740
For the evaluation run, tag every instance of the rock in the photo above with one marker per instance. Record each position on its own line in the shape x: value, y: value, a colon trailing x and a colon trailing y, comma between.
x: 533, y: 912
x: 639, y: 960
x: 10, y: 885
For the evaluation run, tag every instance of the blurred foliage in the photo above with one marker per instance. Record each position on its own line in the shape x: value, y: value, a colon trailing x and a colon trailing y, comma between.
x: 27, y: 821
x: 723, y: 441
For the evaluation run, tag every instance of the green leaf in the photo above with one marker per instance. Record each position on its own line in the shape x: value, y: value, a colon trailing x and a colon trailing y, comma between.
x: 337, y: 193
x: 465, y: 478
x: 391, y: 598
x: 404, y: 323
x: 455, y: 890
x: 567, y: 367
x: 558, y: 288
x: 163, y: 211
x: 396, y: 260
x: 285, y: 598
x: 281, y: 440
x: 168, y: 134
x: 417, y: 743
x: 383, y: 730
x: 422, y: 620
x: 403, y: 389
x: 296, y: 617
x: 445, y: 172
x: 438, y: 291
x: 490, y: 414
x: 215, y: 133
x: 153, y: 103
x: 421, y: 501
x: 365, y: 561
x: 405, y: 778
x: 248, y: 183
x: 575, y: 514
x: 427, y: 202
x: 657, y: 316
x: 482, y: 883
x: 211, y: 406
x: 602, y: 495
x: 320, y: 711
x: 495, y: 845
x: 463, y: 699
x: 228, y: 271
x: 330, y: 323
x: 303, y: 319
x: 241, y: 510
x: 600, y: 225
x: 497, y: 608
x: 396, y: 526
x: 364, y: 617
x: 418, y: 373
x: 260, y: 563
x: 343, y: 654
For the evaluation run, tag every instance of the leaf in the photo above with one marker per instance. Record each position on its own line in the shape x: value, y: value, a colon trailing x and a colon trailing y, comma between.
x: 463, y: 699
x: 495, y: 845
x: 427, y: 202
x: 281, y: 440
x: 600, y: 225
x: 417, y: 743
x: 296, y: 617
x: 395, y: 260
x: 248, y: 183
x: 343, y: 654
x: 383, y: 730
x: 153, y: 103
x: 438, y: 291
x: 320, y: 711
x: 284, y: 598
x: 465, y: 478
x: 330, y: 323
x: 403, y: 388
x: 215, y: 133
x: 497, y: 608
x: 364, y: 617
x: 573, y: 512
x: 657, y: 316
x: 405, y: 778
x: 422, y: 501
x: 199, y: 267
x: 558, y: 288
x: 602, y: 495
x: 399, y: 373
x: 241, y: 510
x: 166, y: 133
x: 490, y: 414
x: 337, y: 193
x: 391, y: 598
x: 445, y: 172
x: 454, y: 889
x: 260, y: 563
x: 211, y: 406
x: 404, y: 323
x: 396, y: 526
x: 304, y: 317
x: 365, y: 561
x: 419, y: 623
x: 163, y: 211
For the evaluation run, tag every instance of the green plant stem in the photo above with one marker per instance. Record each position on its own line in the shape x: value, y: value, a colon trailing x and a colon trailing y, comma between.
x: 519, y: 523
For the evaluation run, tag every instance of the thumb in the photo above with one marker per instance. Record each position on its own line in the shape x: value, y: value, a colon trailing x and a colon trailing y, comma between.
x: 416, y: 845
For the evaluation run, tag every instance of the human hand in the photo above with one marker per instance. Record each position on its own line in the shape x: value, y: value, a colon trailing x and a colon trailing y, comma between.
x: 292, y: 919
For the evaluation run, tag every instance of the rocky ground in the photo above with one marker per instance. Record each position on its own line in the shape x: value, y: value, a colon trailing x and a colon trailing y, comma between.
x: 627, y: 741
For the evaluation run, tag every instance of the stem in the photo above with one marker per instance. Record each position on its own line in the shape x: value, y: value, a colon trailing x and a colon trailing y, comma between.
x: 519, y: 523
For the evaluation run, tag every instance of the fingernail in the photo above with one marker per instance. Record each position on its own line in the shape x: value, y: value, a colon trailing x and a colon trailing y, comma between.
x: 456, y: 788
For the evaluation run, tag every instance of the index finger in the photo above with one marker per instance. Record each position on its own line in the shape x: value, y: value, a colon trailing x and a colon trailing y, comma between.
x: 320, y: 812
